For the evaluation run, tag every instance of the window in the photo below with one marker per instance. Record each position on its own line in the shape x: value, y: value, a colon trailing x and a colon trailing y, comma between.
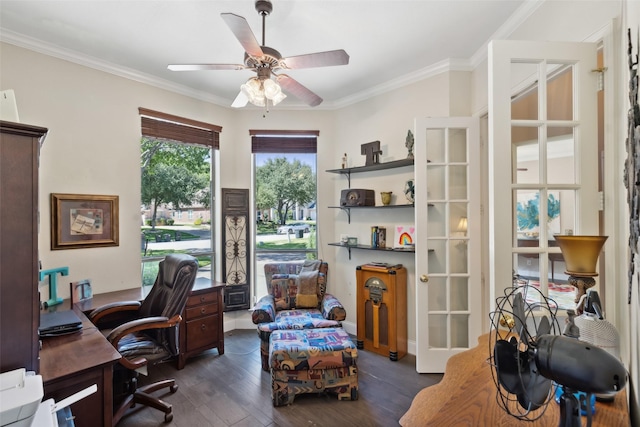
x: 285, y: 198
x: 176, y: 173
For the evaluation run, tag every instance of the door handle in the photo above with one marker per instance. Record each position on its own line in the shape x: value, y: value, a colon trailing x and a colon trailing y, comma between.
x: 424, y: 278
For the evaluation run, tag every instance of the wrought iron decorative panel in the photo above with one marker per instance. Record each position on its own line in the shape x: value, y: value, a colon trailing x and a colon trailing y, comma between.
x: 235, y: 262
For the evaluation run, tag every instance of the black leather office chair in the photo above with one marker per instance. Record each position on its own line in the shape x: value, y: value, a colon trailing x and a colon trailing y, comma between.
x: 150, y: 334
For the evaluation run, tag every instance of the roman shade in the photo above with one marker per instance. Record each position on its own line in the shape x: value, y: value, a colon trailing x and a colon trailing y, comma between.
x: 175, y: 128
x: 284, y: 141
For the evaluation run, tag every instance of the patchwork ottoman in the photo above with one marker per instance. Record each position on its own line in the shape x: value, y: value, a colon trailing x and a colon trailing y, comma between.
x: 312, y: 361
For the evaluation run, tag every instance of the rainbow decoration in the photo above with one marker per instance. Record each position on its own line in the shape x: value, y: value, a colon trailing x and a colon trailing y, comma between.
x: 404, y: 236
x: 405, y: 239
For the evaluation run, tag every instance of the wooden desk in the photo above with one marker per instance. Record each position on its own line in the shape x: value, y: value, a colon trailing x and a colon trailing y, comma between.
x: 202, y: 319
x: 466, y: 396
x: 73, y: 362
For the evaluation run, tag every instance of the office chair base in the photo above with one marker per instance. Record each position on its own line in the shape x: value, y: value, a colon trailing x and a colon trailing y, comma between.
x: 143, y: 396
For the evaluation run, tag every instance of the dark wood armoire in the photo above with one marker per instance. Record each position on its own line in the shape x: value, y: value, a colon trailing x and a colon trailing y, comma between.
x: 19, y: 300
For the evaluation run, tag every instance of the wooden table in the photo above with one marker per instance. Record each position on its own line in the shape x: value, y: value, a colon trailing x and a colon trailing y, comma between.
x: 201, y: 328
x: 534, y: 243
x: 73, y: 362
x: 466, y: 396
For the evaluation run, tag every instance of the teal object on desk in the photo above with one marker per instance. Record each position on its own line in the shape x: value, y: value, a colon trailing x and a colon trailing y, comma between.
x: 582, y: 398
x: 53, y: 284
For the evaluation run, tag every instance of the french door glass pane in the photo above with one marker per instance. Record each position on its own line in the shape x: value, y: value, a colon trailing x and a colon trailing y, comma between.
x: 460, y: 330
x: 438, y: 330
x: 436, y: 224
x: 459, y: 293
x: 435, y: 145
x: 560, y: 155
x: 438, y: 256
x: 458, y: 182
x: 457, y: 145
x: 526, y: 152
x: 525, y: 106
x: 559, y: 92
x: 437, y: 294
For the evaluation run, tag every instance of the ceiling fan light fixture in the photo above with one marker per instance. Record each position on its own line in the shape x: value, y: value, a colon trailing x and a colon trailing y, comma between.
x: 259, y: 90
x: 253, y: 91
x: 271, y: 88
x: 278, y: 98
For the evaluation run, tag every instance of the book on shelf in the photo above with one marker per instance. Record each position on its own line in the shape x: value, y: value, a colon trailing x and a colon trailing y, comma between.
x: 382, y: 266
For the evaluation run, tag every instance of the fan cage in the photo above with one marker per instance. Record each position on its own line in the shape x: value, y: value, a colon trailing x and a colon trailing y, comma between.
x: 503, y: 327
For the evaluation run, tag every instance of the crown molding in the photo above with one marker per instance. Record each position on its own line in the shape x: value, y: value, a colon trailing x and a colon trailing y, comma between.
x: 39, y: 46
x: 404, y: 80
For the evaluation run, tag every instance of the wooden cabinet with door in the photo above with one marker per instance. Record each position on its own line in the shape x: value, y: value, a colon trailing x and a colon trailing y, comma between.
x: 382, y: 309
x: 19, y: 300
x: 202, y: 324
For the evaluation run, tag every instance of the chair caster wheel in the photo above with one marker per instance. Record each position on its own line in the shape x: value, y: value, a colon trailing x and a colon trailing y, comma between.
x: 173, y: 388
x: 168, y: 418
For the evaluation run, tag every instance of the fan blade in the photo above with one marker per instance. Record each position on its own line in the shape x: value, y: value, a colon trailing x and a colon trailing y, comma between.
x: 204, y: 67
x: 536, y: 388
x: 518, y: 313
x: 240, y: 28
x: 299, y: 91
x: 507, y: 368
x: 240, y: 101
x: 544, y: 327
x: 319, y: 59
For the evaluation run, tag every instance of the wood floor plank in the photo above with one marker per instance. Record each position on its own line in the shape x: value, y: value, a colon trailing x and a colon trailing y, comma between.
x: 232, y: 390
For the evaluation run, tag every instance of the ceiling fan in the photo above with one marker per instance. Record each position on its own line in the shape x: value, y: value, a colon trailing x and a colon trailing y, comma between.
x: 266, y: 61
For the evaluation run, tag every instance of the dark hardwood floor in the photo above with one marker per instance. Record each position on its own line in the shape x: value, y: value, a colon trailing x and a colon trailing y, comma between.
x: 233, y: 390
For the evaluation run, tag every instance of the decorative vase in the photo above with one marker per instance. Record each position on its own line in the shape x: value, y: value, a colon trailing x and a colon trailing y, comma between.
x: 409, y: 191
x: 386, y: 197
x: 580, y: 256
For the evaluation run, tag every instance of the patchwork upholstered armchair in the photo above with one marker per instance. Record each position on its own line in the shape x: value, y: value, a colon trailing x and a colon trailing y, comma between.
x: 296, y: 299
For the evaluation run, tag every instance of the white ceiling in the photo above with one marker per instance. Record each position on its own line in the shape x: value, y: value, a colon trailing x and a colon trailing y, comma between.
x: 390, y: 43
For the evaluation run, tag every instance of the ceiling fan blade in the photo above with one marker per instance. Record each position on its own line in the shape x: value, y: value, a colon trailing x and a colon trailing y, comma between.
x: 240, y: 101
x: 204, y: 67
x: 299, y: 91
x: 240, y: 28
x: 319, y: 59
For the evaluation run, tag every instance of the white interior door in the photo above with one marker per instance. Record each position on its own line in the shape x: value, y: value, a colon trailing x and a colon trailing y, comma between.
x: 542, y: 155
x: 448, y: 262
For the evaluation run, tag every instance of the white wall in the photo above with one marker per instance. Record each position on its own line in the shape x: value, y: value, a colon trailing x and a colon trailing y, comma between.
x: 93, y: 147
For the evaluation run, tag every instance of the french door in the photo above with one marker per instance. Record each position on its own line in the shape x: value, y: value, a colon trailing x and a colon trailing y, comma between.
x: 448, y: 263
x: 543, y: 155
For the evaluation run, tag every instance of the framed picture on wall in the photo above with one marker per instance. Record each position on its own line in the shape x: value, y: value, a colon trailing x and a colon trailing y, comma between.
x: 83, y: 221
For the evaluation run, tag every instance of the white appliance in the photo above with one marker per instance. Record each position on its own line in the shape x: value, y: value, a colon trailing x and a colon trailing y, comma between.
x: 20, y: 396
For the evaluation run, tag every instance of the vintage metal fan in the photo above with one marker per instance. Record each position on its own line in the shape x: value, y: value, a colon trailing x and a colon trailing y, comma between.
x: 266, y: 61
x: 529, y: 357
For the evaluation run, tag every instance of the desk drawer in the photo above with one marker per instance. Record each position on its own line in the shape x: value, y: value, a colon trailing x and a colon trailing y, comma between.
x: 201, y: 299
x: 202, y: 332
x: 201, y: 310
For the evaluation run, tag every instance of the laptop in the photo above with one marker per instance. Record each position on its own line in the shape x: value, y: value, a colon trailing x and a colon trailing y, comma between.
x: 56, y: 323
